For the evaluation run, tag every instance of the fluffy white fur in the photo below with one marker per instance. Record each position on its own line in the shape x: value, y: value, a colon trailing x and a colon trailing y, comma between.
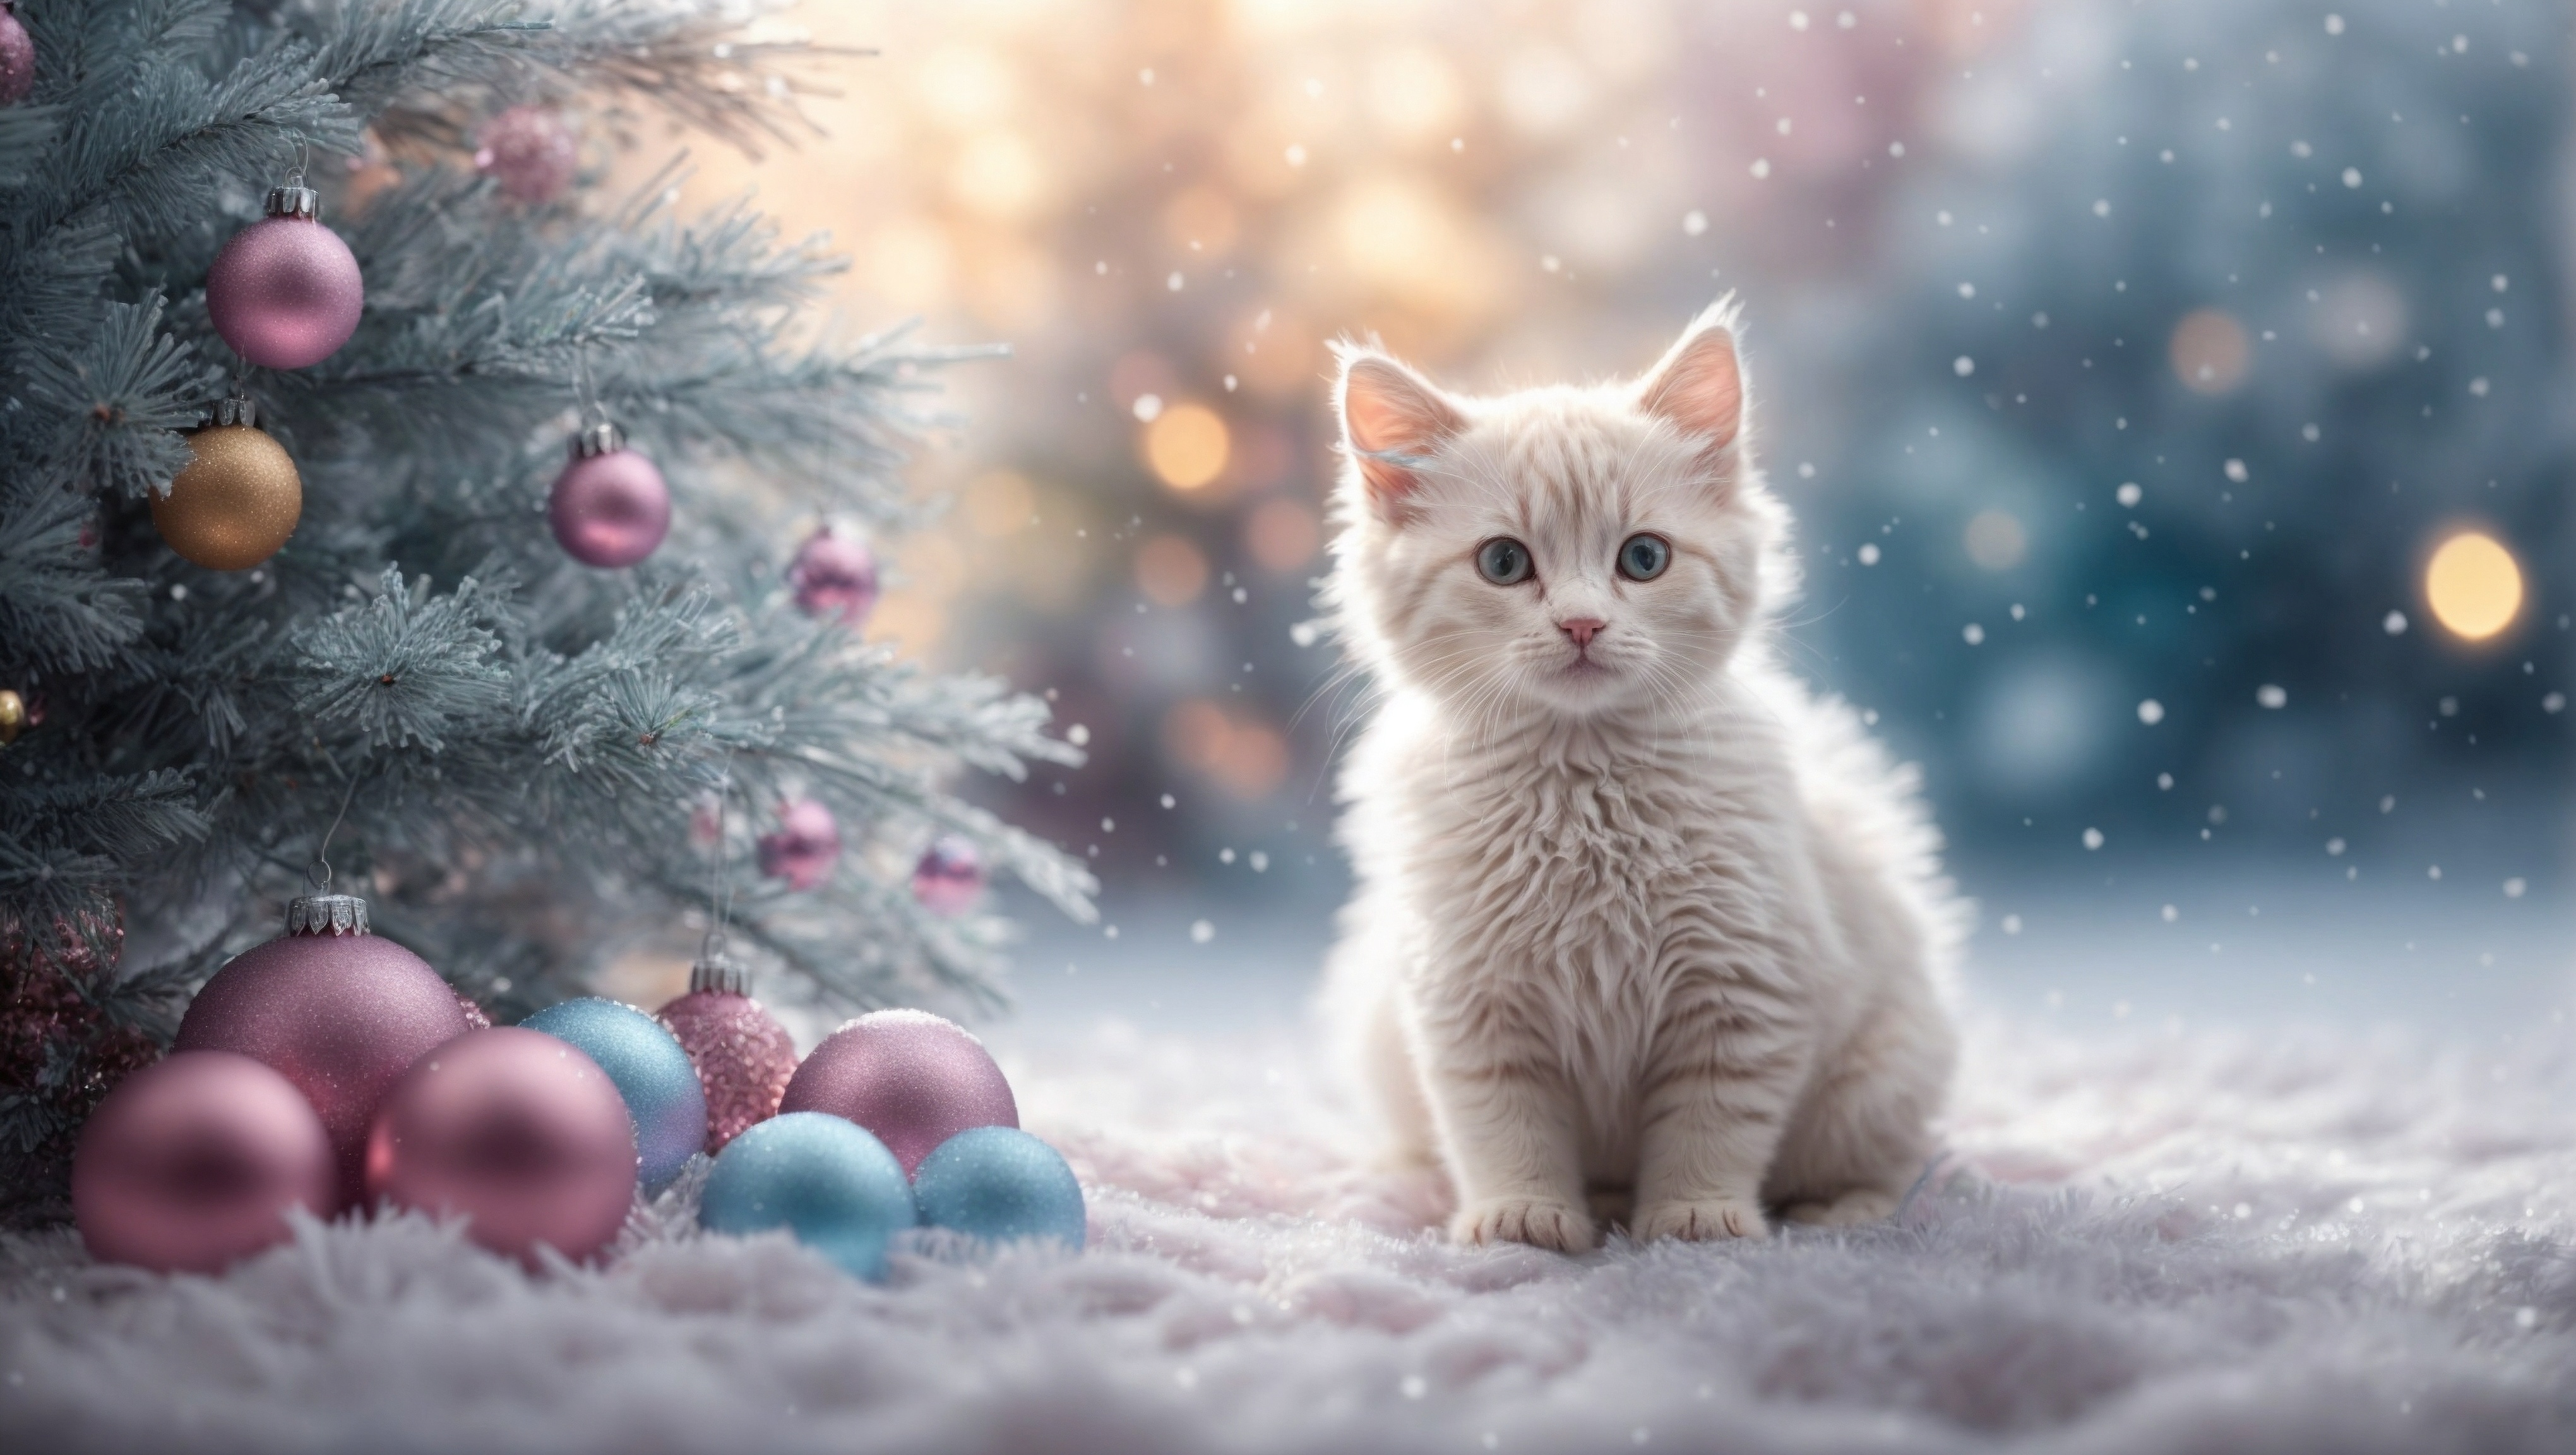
x: 2216, y: 1241
x: 1643, y: 930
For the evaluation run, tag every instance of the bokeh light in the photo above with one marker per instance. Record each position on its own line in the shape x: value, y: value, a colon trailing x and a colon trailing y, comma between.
x: 2210, y: 351
x: 1996, y: 540
x: 2474, y: 585
x: 1282, y: 535
x: 1170, y: 571
x: 1187, y: 446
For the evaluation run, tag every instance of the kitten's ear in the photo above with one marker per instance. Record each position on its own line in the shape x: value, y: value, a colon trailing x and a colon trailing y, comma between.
x: 1699, y: 386
x: 1392, y: 417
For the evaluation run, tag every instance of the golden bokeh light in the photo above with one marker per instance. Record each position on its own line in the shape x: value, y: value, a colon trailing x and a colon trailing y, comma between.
x: 1996, y: 540
x: 1282, y: 535
x: 1187, y: 446
x: 2210, y: 351
x: 1247, y: 758
x: 999, y: 503
x: 2473, y: 585
x: 1170, y: 571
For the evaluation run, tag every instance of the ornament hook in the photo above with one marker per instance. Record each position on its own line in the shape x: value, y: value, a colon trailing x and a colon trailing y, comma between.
x: 321, y: 912
x: 714, y: 972
x: 319, y: 871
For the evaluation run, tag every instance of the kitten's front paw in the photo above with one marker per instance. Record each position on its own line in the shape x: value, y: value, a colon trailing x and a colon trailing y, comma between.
x: 1700, y: 1222
x: 1557, y: 1226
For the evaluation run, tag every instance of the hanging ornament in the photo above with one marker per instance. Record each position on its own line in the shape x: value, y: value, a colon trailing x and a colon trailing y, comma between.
x: 238, y: 499
x: 834, y: 575
x: 609, y: 507
x: 530, y: 151
x: 805, y: 847
x: 518, y: 1132
x: 743, y: 1055
x: 949, y: 877
x: 832, y: 1185
x: 195, y: 1161
x: 652, y: 1074
x: 911, y: 1077
x: 17, y: 56
x: 14, y: 717
x: 335, y: 1009
x: 1001, y: 1185
x: 285, y: 291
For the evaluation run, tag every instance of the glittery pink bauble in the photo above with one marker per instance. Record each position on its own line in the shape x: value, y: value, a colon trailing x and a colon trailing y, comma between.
x: 17, y: 60
x: 530, y: 151
x: 341, y: 1016
x: 806, y: 846
x: 516, y: 1131
x: 834, y: 575
x: 610, y: 509
x: 194, y: 1161
x: 909, y: 1076
x: 743, y: 1055
x: 949, y: 876
x: 285, y: 292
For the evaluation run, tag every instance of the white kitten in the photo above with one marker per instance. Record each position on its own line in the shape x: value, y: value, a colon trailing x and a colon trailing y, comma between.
x: 1638, y: 919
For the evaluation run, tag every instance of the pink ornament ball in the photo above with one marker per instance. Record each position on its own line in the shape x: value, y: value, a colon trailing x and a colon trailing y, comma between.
x: 195, y: 1161
x: 834, y: 575
x: 743, y: 1055
x: 285, y: 292
x: 530, y: 151
x: 517, y: 1132
x: 611, y: 509
x: 912, y: 1078
x: 341, y: 1016
x: 949, y: 877
x: 805, y: 847
x: 17, y: 60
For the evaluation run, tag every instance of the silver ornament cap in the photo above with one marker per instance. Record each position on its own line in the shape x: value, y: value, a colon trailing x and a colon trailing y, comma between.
x: 326, y: 914
x: 236, y: 408
x: 716, y: 975
x: 599, y: 439
x: 295, y: 200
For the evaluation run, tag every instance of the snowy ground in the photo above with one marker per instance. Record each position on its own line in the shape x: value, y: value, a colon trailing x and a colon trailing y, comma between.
x: 2190, y: 1226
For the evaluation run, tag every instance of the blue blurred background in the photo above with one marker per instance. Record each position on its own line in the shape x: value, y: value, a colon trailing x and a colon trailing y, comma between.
x: 2172, y: 398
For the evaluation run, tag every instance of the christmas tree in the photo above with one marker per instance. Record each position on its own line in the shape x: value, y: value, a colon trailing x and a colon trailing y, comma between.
x: 526, y: 763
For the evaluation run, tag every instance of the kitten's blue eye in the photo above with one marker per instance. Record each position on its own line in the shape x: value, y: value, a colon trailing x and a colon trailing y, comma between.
x: 1503, y: 561
x: 1644, y: 557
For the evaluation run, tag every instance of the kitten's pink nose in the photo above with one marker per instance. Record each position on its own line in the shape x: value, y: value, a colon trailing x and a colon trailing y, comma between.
x: 1583, y: 629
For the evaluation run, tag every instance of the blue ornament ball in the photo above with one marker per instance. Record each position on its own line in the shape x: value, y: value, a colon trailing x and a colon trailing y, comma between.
x: 826, y: 1180
x: 1002, y: 1185
x: 645, y: 1063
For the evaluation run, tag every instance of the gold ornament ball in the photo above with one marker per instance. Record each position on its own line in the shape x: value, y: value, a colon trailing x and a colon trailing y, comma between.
x: 235, y: 504
x: 13, y: 716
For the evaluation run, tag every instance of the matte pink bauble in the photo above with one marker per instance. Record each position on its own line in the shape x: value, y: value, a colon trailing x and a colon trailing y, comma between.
x: 805, y: 847
x: 530, y: 151
x: 338, y: 1011
x: 949, y: 877
x: 834, y: 575
x: 17, y: 60
x: 195, y: 1161
x: 285, y: 292
x: 610, y: 507
x: 516, y: 1131
x: 743, y: 1055
x: 909, y: 1076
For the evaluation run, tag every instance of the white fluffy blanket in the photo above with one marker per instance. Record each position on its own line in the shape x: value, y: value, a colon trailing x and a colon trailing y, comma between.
x: 2204, y: 1242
